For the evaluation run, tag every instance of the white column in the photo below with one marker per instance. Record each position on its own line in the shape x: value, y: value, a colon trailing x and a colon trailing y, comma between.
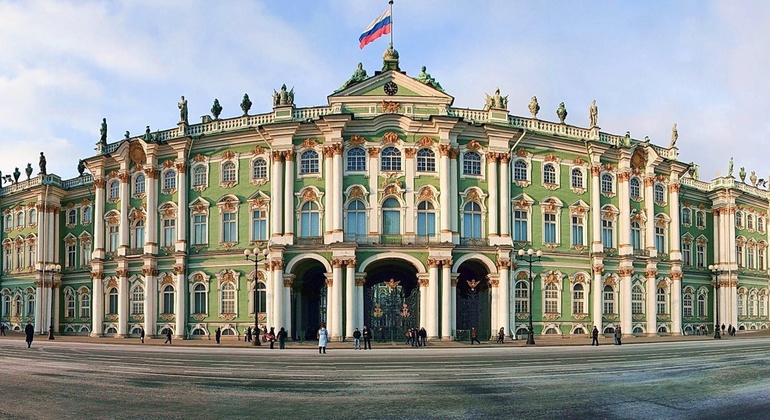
x: 276, y: 200
x: 287, y: 285
x: 328, y: 193
x: 649, y: 207
x: 150, y: 299
x: 596, y: 295
x: 651, y: 299
x: 624, y: 219
x: 336, y: 307
x: 277, y: 294
x: 626, y: 315
x: 180, y: 309
x: 717, y: 243
x: 596, y: 215
x: 122, y: 303
x: 40, y: 326
x: 360, y: 281
x: 447, y: 294
x: 494, y: 283
x: 675, y: 253
x: 423, y: 283
x: 50, y: 237
x: 336, y: 208
x: 181, y: 211
x: 55, y: 303
x: 288, y: 195
x: 432, y: 313
x: 125, y: 179
x: 504, y: 307
x: 453, y: 194
x: 374, y: 204
x: 445, y: 195
x: 97, y: 304
x: 409, y: 173
x: 151, y: 231
x: 350, y: 298
x: 453, y: 303
x: 493, y: 199
x: 676, y: 303
x: 97, y: 219
x: 505, y: 204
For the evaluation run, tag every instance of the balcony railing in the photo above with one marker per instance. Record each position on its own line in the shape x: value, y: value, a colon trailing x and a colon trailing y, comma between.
x: 309, y: 240
x: 474, y: 241
x: 134, y: 251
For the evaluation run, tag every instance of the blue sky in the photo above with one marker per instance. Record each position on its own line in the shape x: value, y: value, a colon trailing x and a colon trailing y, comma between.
x: 700, y: 64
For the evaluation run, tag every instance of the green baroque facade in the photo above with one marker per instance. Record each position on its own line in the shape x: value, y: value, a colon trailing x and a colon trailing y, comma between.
x: 387, y: 207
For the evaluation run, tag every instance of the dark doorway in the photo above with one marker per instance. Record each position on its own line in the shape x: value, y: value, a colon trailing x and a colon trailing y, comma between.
x: 308, y: 299
x: 473, y: 301
x: 391, y: 300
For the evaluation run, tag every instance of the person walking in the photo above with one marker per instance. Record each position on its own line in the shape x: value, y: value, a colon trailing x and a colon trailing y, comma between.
x: 423, y: 336
x: 168, y: 336
x: 356, y: 340
x: 408, y: 336
x: 474, y: 336
x: 615, y: 336
x: 618, y: 335
x: 595, y: 337
x: 501, y: 335
x: 256, y: 331
x: 218, y: 334
x: 2, y: 329
x: 248, y: 334
x: 141, y: 334
x: 30, y: 331
x: 367, y: 338
x: 323, y: 338
x: 282, y: 338
x: 271, y: 337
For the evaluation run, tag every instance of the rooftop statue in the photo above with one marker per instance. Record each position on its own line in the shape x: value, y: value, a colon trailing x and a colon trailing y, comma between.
x: 694, y: 171
x: 674, y: 136
x: 425, y: 77
x: 28, y: 170
x: 183, y: 110
x: 147, y: 135
x: 103, y: 131
x: 593, y: 114
x: 358, y: 76
x: 497, y: 101
x: 42, y: 163
x: 283, y: 97
x: 730, y: 168
x: 245, y: 104
x: 216, y: 109
x: 742, y: 174
x: 561, y: 112
x: 16, y: 175
x: 534, y: 107
x: 753, y: 178
x: 81, y: 167
x: 127, y: 135
x: 627, y: 139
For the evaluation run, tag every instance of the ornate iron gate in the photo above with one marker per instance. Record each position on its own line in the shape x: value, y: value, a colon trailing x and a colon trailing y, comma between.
x: 473, y: 310
x: 389, y: 311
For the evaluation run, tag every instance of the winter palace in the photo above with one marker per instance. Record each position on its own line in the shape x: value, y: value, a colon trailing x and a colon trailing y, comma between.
x: 387, y: 207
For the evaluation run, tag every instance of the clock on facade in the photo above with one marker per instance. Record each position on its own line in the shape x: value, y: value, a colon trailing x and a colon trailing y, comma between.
x: 390, y: 88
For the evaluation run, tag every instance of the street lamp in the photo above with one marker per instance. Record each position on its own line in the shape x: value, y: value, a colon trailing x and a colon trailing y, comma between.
x: 253, y: 255
x: 529, y: 256
x: 715, y: 271
x: 53, y: 269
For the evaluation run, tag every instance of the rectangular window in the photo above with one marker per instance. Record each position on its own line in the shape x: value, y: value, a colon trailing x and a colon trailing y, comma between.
x: 229, y: 228
x: 169, y: 232
x: 577, y: 231
x: 660, y: 239
x: 520, y: 226
x: 113, y: 239
x: 426, y: 224
x: 71, y: 255
x: 607, y: 234
x: 259, y: 225
x: 686, y: 254
x: 700, y: 256
x: 200, y: 229
x: 549, y: 228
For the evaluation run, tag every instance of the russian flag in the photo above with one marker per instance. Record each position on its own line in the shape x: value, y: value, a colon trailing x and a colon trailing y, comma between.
x: 376, y: 29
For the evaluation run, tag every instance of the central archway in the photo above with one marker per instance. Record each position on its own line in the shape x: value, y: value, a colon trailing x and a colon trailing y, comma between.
x: 391, y: 299
x: 474, y: 309
x: 308, y: 299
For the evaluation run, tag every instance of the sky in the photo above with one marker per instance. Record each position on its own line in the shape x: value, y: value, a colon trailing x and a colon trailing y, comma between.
x: 65, y: 65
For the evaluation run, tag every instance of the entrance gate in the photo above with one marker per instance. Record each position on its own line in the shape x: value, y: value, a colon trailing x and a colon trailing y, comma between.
x: 473, y: 310
x: 389, y: 311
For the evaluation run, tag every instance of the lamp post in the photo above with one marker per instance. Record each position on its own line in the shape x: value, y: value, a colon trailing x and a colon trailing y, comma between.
x: 254, y: 255
x: 529, y: 256
x: 53, y: 269
x: 715, y: 271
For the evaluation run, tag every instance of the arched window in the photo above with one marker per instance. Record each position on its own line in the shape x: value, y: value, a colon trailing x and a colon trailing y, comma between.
x: 228, y: 298
x: 472, y: 220
x: 199, y: 176
x: 636, y: 235
x: 390, y: 159
x: 426, y: 219
x: 607, y: 183
x: 139, y: 184
x: 261, y: 293
x: 700, y: 219
x: 551, y: 298
x: 72, y: 216
x: 753, y: 304
x: 520, y: 170
x: 167, y: 305
x: 114, y: 192
x: 686, y: 216
x: 356, y: 220
x: 549, y: 174
x: 228, y: 172
x: 662, y: 302
x: 391, y: 217
x: 200, y: 305
x: 137, y: 301
x: 522, y: 297
x: 577, y: 178
x: 17, y: 305
x: 87, y: 215
x: 471, y: 163
x: 739, y: 220
x: 637, y: 300
x: 169, y: 180
x: 760, y: 224
x: 687, y: 305
x: 578, y: 299
x: 85, y: 305
x: 259, y: 169
x: 609, y: 300
x: 113, y: 297
x: 30, y: 304
x: 356, y: 159
x: 309, y: 220
x: 33, y: 217
x: 659, y: 194
x: 69, y: 303
x: 749, y: 222
x: 426, y: 160
x: 634, y: 188
x: 308, y: 162
x: 702, y: 311
x: 6, y: 306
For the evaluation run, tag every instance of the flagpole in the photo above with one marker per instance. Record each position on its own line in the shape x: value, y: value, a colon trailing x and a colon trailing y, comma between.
x: 390, y: 2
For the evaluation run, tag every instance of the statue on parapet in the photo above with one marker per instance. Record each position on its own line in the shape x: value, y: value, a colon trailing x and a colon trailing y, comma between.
x: 742, y: 174
x: 674, y: 136
x: 103, y: 132
x: 358, y: 76
x: 753, y: 178
x: 425, y: 77
x: 182, y: 105
x: 245, y: 104
x: 283, y: 97
x: 497, y: 101
x: 730, y: 168
x: 42, y: 163
x: 694, y: 171
x: 216, y: 109
x: 561, y: 112
x: 534, y: 107
x: 81, y: 167
x: 16, y: 175
x: 147, y: 135
x: 28, y: 170
x: 593, y: 114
